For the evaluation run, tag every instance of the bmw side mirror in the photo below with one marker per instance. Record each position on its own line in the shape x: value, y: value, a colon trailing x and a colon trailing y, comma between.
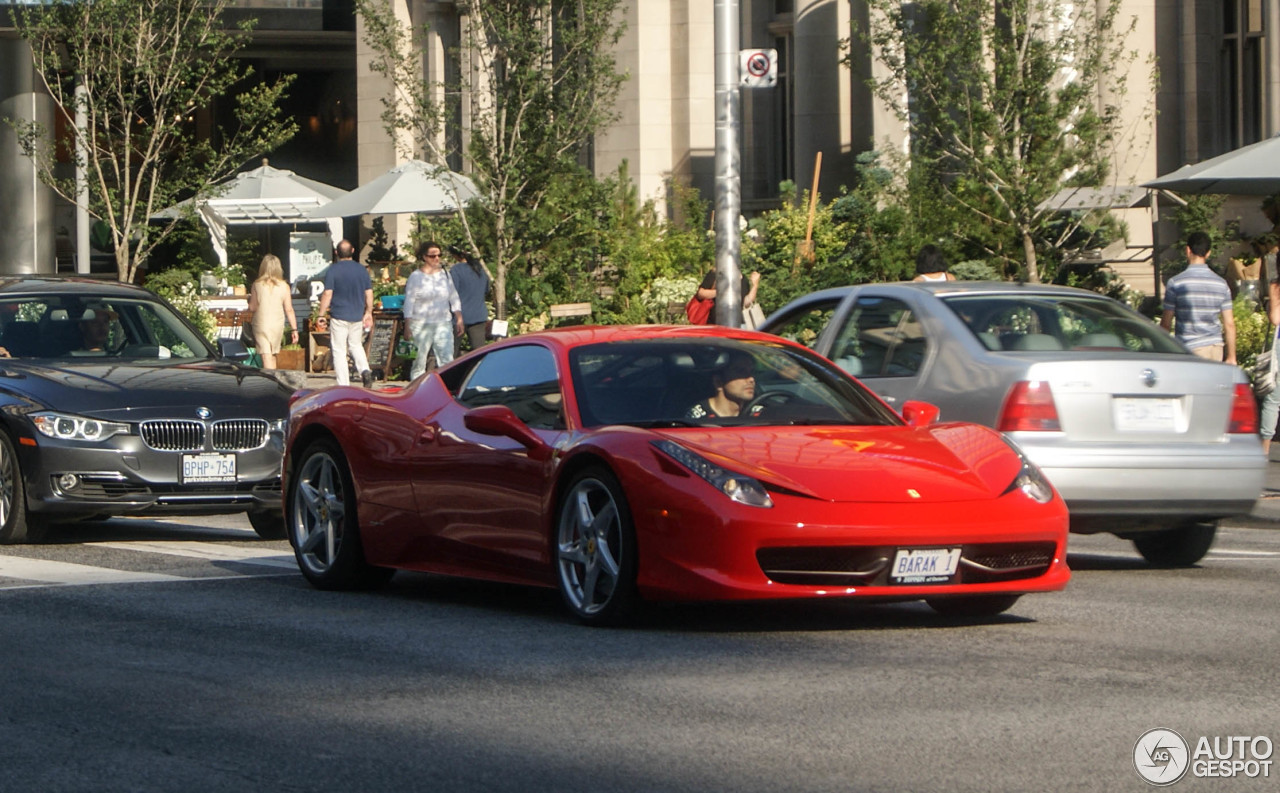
x: 233, y: 350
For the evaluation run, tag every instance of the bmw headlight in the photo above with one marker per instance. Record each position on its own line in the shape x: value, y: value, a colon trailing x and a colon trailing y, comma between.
x: 66, y: 427
x: 1031, y: 481
x: 738, y: 487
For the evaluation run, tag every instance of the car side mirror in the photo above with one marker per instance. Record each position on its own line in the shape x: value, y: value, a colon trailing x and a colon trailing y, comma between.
x: 500, y: 420
x: 919, y: 414
x: 233, y: 350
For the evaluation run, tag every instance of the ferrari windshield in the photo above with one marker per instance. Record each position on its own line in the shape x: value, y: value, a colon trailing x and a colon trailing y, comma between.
x: 79, y: 327
x: 716, y: 382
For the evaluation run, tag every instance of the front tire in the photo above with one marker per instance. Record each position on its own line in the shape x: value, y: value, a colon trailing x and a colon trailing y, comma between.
x: 323, y: 524
x: 268, y: 523
x: 17, y: 525
x: 973, y: 605
x: 596, y: 549
x: 1182, y: 546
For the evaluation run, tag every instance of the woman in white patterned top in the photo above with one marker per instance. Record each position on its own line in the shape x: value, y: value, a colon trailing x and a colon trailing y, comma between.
x: 432, y: 309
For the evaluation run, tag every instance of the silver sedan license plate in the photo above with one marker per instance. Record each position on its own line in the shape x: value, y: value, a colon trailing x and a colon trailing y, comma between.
x: 924, y: 565
x: 1146, y: 414
x: 197, y: 468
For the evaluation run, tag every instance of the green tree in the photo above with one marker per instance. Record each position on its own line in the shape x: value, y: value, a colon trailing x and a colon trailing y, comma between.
x: 138, y: 70
x: 540, y: 80
x: 1008, y: 102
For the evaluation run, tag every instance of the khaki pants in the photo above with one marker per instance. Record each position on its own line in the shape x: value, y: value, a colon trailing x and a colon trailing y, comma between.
x: 1213, y: 352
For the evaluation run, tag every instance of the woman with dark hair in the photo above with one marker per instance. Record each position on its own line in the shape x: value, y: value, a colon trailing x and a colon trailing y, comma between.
x: 471, y: 279
x: 930, y: 266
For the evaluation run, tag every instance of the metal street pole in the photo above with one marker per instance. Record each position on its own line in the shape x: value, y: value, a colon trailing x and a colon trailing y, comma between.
x: 728, y: 198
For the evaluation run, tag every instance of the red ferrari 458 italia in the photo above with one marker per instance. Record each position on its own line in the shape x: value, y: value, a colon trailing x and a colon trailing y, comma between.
x: 623, y: 464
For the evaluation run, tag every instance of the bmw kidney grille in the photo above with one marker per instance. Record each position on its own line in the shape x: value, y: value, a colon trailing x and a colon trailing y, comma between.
x: 230, y: 435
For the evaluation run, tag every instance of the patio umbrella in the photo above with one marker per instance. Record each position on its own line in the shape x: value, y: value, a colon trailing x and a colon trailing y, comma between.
x: 1249, y: 170
x: 414, y: 187
x: 263, y: 195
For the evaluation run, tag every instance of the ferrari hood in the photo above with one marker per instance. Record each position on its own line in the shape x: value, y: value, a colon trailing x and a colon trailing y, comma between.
x: 942, y: 462
x: 132, y: 392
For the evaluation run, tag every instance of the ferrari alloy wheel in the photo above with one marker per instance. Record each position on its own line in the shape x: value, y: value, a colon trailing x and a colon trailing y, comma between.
x: 322, y: 522
x: 596, y: 549
x: 1182, y: 546
x: 16, y: 524
x: 268, y: 523
x: 972, y: 605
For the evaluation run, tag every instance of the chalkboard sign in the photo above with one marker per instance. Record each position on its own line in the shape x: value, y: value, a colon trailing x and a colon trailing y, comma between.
x: 382, y: 342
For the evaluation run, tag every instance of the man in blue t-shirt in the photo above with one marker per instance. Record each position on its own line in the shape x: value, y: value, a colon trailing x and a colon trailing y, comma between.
x: 1201, y: 301
x: 348, y: 299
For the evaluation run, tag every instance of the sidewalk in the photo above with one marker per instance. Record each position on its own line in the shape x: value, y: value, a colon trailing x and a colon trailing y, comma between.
x: 1267, y: 508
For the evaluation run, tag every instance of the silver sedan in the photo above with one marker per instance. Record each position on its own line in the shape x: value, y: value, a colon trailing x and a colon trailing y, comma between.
x: 1141, y: 438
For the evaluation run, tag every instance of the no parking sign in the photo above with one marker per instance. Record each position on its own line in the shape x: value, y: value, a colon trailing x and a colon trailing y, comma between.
x: 758, y: 68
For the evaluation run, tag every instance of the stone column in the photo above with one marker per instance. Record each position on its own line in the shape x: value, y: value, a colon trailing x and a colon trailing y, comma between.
x: 822, y: 91
x: 27, y: 223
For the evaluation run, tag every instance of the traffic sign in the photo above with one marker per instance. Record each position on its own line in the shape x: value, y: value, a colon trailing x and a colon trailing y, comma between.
x: 758, y: 68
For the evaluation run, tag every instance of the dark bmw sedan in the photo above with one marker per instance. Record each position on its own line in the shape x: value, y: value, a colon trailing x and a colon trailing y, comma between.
x: 113, y: 404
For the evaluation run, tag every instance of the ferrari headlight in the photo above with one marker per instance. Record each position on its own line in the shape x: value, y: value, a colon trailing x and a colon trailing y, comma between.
x: 1031, y: 481
x: 738, y: 487
x: 67, y: 427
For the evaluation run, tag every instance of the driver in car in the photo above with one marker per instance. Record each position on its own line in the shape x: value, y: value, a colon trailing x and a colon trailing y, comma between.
x: 735, y: 387
x: 95, y: 329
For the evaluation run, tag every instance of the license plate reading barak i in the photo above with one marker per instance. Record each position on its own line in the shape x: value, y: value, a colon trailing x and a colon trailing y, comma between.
x: 924, y: 565
x: 208, y: 468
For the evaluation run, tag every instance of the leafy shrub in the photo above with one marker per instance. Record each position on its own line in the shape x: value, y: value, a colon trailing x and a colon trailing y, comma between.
x: 181, y: 289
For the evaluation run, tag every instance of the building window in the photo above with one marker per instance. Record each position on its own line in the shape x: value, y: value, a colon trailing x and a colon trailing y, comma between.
x: 1242, y: 72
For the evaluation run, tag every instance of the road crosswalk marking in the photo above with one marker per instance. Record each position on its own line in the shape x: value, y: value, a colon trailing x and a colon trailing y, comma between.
x: 216, y: 553
x: 26, y: 573
x: 46, y: 571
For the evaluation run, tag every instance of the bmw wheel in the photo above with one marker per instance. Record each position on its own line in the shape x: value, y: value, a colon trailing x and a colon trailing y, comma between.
x: 596, y: 549
x: 323, y: 524
x: 17, y: 525
x: 268, y: 523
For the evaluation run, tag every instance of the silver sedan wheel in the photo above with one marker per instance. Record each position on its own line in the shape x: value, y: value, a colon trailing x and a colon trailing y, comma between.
x: 318, y: 513
x: 590, y: 545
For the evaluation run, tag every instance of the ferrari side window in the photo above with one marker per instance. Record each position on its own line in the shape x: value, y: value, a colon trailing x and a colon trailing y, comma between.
x: 524, y: 379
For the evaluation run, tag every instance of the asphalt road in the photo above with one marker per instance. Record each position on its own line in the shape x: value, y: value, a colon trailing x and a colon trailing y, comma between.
x: 190, y: 656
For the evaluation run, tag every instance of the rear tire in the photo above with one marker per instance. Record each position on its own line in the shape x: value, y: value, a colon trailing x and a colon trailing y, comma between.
x: 323, y: 523
x: 973, y: 605
x: 17, y: 525
x: 268, y: 523
x: 1182, y: 546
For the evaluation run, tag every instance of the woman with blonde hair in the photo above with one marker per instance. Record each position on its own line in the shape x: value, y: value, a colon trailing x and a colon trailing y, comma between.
x: 272, y: 305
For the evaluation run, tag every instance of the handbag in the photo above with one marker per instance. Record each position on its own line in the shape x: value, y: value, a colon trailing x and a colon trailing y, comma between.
x: 698, y: 311
x: 753, y: 317
x: 1262, y: 375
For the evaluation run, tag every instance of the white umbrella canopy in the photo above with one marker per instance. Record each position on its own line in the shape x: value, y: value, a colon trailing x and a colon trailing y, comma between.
x: 414, y: 187
x: 262, y: 195
x: 1249, y: 170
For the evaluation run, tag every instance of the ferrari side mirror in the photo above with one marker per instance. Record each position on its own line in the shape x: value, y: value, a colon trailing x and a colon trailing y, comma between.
x: 501, y: 421
x: 919, y: 414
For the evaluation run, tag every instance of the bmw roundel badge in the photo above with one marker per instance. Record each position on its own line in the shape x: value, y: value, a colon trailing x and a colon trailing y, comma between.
x: 204, y: 413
